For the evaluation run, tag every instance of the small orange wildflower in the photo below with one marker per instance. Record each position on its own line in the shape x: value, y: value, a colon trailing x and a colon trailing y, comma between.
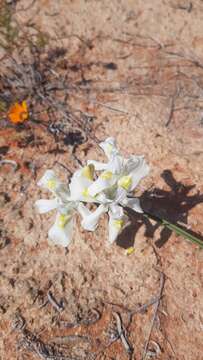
x: 18, y: 113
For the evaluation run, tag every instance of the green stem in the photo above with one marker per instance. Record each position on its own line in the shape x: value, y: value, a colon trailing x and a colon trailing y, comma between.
x: 178, y: 229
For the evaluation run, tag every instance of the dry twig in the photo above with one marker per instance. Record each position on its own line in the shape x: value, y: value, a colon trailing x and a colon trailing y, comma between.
x: 53, y: 302
x: 162, y: 281
x: 172, y: 106
x: 121, y: 333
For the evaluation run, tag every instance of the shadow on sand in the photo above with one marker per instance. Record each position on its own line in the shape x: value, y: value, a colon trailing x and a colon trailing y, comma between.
x: 173, y: 205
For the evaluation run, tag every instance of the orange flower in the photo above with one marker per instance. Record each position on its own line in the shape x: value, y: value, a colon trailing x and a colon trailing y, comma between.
x: 18, y: 113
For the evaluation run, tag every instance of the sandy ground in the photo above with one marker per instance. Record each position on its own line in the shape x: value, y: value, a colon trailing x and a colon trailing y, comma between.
x: 135, y: 70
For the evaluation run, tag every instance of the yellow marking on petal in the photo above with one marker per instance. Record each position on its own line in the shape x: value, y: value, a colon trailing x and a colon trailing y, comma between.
x: 125, y: 182
x: 130, y: 251
x: 88, y: 171
x: 118, y: 224
x: 106, y: 175
x: 63, y: 220
x: 85, y: 192
x: 51, y: 184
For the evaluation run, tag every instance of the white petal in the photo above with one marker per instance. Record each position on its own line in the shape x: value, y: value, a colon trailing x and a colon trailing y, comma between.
x: 109, y: 177
x: 132, y: 163
x: 102, y: 198
x: 79, y: 189
x: 83, y: 210
x: 86, y: 172
x: 117, y: 220
x: 116, y: 164
x: 45, y: 205
x: 61, y: 235
x: 49, y: 181
x: 116, y: 211
x: 62, y: 191
x: 106, y: 180
x: 113, y: 230
x: 133, y: 203
x: 97, y: 165
x: 90, y: 219
x: 120, y: 194
x: 109, y: 147
x: 75, y: 187
x: 139, y: 171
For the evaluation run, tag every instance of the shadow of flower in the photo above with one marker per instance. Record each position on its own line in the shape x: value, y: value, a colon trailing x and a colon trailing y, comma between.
x: 173, y: 205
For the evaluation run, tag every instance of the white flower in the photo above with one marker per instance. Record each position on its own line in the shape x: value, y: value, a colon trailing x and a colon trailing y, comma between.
x: 66, y: 201
x: 109, y: 177
x: 114, y: 200
x: 49, y: 181
x: 111, y: 190
x: 110, y: 150
x: 119, y: 177
x: 61, y: 232
x: 125, y: 173
x: 134, y: 169
x: 81, y: 182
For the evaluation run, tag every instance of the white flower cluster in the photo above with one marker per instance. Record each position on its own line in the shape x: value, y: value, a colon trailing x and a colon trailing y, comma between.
x: 109, y: 185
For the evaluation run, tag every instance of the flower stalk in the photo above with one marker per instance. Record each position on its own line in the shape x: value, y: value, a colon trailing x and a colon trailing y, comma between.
x: 178, y: 229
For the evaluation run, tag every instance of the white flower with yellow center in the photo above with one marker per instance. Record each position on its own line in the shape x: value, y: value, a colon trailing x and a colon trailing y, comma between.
x: 114, y: 185
x: 125, y: 173
x: 111, y: 190
x: 49, y: 181
x: 134, y: 170
x: 66, y: 201
x: 110, y: 150
x: 61, y: 232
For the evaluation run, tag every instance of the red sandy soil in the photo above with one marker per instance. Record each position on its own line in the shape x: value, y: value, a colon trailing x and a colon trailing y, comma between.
x: 138, y: 66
